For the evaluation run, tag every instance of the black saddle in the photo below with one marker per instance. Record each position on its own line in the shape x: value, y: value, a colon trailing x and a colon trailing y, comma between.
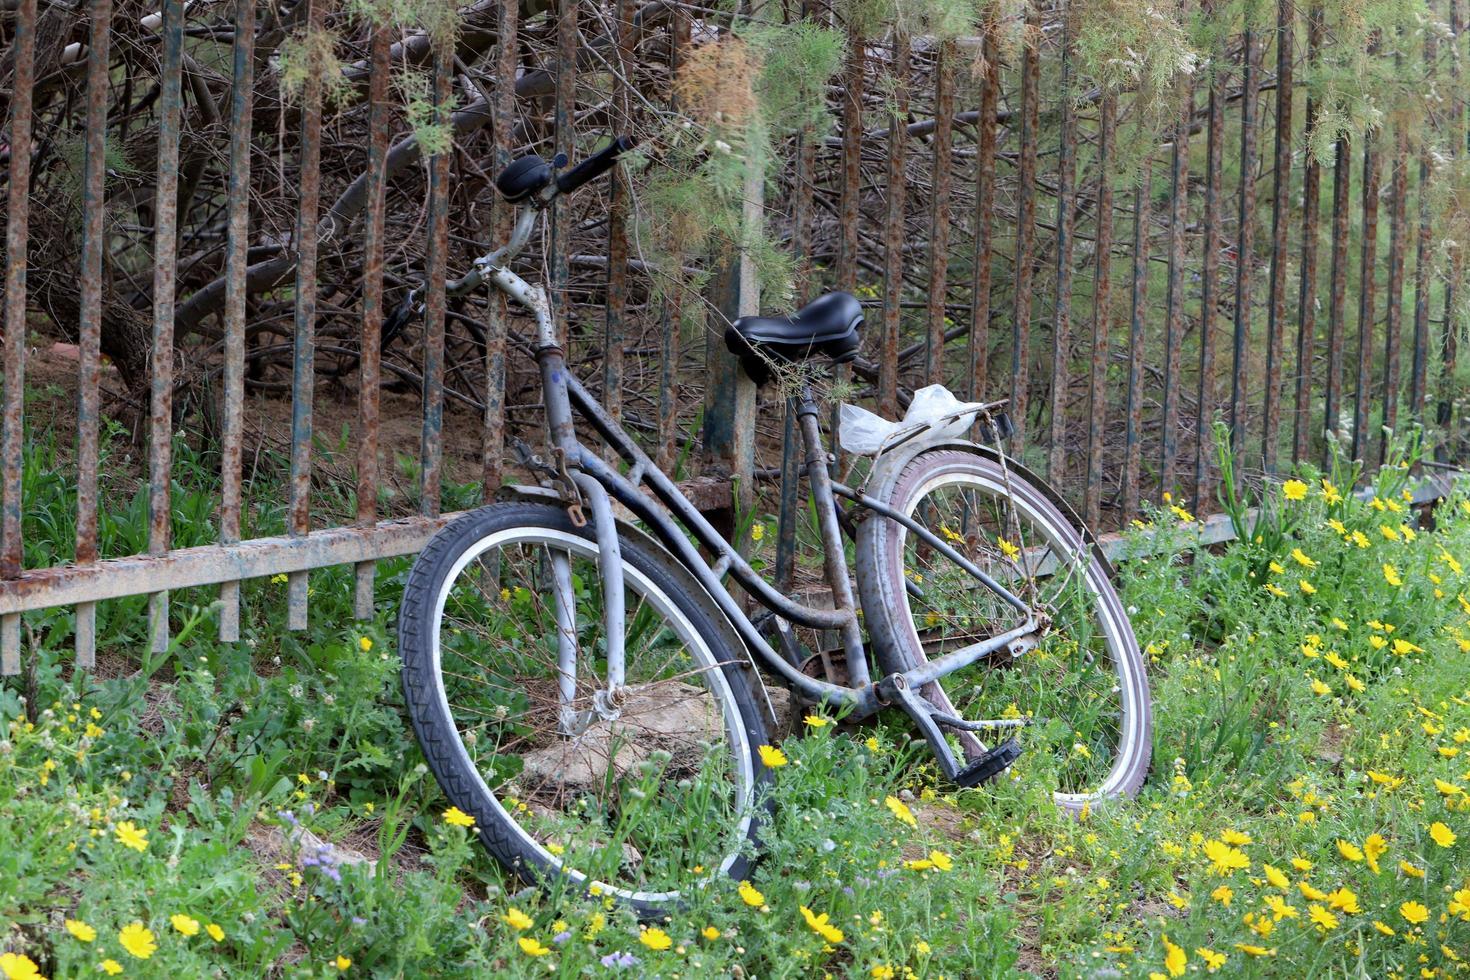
x: 827, y: 325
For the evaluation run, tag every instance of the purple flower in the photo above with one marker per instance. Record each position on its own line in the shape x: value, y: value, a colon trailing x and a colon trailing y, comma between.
x: 358, y: 920
x: 289, y: 817
x: 619, y: 961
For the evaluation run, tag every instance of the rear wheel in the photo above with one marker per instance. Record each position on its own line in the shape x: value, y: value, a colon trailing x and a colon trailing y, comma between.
x: 644, y: 791
x: 1078, y: 700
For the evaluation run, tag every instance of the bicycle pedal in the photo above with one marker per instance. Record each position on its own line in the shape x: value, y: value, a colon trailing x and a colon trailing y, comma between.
x: 989, y: 765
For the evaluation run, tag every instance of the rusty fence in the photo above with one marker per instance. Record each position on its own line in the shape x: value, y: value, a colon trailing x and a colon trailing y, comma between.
x: 199, y: 216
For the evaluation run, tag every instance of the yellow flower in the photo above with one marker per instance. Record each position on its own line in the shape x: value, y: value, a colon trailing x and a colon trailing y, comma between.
x: 1413, y: 912
x: 1213, y: 960
x: 773, y: 757
x: 1008, y: 549
x: 1301, y: 558
x: 1175, y: 959
x: 1307, y: 587
x: 1354, y: 684
x: 456, y: 817
x: 750, y: 896
x: 816, y: 721
x: 1388, y: 532
x: 342, y: 963
x: 757, y: 532
x: 1321, y: 917
x: 872, y: 744
x: 1360, y: 539
x: 1224, y: 859
x: 710, y: 933
x: 1446, y: 789
x: 110, y: 967
x: 1402, y: 646
x: 1330, y: 493
x: 1279, y: 908
x: 1235, y: 837
x: 184, y: 924
x: 1443, y: 836
x: 1250, y: 950
x: 1311, y: 893
x: 1224, y: 894
x: 1373, y: 849
x: 1391, y: 575
x: 1294, y: 490
x: 364, y: 643
x: 517, y: 919
x: 1411, y: 870
x: 900, y: 811
x: 1344, y: 900
x: 18, y: 966
x: 1319, y: 688
x: 655, y: 939
x: 1275, y: 877
x: 1384, y: 928
x: 130, y: 835
x: 1349, y: 850
x: 532, y: 947
x: 137, y: 940
x: 1460, y: 904
x: 81, y: 930
x: 215, y: 932
x: 822, y: 926
x: 1275, y: 590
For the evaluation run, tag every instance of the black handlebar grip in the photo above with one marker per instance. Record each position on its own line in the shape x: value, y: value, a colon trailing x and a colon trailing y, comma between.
x: 594, y: 166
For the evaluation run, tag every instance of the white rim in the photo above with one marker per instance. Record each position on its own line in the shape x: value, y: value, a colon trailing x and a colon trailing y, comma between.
x: 1131, y: 681
x: 698, y: 648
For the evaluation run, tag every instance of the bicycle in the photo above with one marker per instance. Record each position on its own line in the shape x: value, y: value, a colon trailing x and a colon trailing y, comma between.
x: 585, y: 687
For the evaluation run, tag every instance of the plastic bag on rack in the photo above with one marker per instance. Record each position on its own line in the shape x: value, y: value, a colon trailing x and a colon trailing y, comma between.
x: 934, y: 408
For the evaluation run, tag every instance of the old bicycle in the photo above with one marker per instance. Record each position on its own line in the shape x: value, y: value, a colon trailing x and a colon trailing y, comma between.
x: 588, y: 689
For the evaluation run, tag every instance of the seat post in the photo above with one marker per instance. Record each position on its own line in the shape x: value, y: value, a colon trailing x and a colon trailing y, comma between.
x: 834, y: 556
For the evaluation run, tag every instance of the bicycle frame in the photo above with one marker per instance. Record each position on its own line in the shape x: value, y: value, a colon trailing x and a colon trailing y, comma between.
x: 590, y: 480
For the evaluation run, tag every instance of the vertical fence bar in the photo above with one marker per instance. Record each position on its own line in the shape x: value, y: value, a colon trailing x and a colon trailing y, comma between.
x: 979, y: 346
x: 1097, y: 401
x: 617, y: 231
x: 436, y: 266
x: 1306, y: 325
x: 939, y: 215
x: 94, y: 232
x: 1449, y: 349
x: 1174, y: 339
x: 1398, y: 222
x: 501, y: 217
x: 1062, y: 315
x: 1210, y: 283
x: 237, y: 262
x: 1245, y: 247
x: 17, y: 232
x: 1280, y: 202
x: 1133, y: 441
x: 673, y: 307
x: 1367, y: 297
x: 563, y: 143
x: 165, y: 254
x: 893, y: 236
x: 1337, y: 302
x: 848, y: 242
x: 1419, y: 368
x: 371, y: 355
x: 303, y: 361
x: 1026, y: 227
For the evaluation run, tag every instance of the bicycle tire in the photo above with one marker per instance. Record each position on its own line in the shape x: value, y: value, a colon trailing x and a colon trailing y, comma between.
x: 886, y: 604
x: 439, y: 737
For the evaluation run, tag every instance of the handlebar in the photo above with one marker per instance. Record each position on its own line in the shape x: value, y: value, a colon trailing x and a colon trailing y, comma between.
x: 594, y: 166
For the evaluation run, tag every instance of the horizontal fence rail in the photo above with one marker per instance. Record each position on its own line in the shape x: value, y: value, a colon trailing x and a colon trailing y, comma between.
x: 220, y: 206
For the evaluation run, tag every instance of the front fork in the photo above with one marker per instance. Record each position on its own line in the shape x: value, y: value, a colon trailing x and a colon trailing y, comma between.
x: 586, y: 492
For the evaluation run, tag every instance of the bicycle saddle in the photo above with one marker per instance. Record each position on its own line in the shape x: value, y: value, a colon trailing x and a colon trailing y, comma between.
x: 827, y: 325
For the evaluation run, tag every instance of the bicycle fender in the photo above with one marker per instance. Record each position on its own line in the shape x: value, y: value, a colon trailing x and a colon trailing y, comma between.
x: 888, y: 466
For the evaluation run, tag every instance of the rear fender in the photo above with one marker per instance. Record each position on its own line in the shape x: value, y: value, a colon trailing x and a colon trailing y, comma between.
x: 888, y: 466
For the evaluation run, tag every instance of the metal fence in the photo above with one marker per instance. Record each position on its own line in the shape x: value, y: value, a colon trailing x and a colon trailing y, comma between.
x: 985, y: 201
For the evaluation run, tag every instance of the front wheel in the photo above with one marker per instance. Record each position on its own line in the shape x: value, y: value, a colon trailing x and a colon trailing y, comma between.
x: 639, y: 791
x: 1078, y: 699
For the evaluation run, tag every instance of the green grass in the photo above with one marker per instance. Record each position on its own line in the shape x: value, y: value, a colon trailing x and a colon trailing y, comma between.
x: 1286, y: 736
